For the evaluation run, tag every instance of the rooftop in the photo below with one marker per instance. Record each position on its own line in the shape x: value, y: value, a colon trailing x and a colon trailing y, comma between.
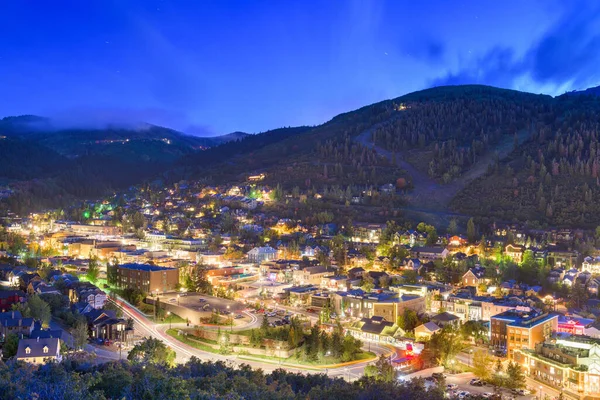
x: 144, y: 267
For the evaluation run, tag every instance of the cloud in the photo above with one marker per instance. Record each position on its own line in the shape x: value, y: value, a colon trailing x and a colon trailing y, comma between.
x: 497, y: 67
x: 567, y: 56
x: 103, y: 117
x: 429, y: 50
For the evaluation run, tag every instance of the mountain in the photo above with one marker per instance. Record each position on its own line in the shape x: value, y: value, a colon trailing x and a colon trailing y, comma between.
x: 452, y: 151
x: 455, y: 151
x: 593, y: 91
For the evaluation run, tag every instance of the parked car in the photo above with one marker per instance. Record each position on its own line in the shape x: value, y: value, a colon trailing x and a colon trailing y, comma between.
x: 239, y: 316
x: 451, y: 386
x: 521, y: 392
x: 475, y: 382
x: 173, y: 300
x: 202, y: 300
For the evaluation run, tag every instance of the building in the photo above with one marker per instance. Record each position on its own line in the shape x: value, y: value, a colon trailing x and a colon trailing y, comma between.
x: 386, y: 304
x: 514, y: 329
x: 425, y: 331
x: 474, y: 277
x: 39, y: 351
x: 573, y: 326
x: 310, y: 275
x: 10, y: 297
x: 148, y: 278
x: 515, y: 252
x: 261, y: 254
x: 14, y: 322
x: 429, y: 253
x: 571, y: 365
x: 591, y: 264
x: 367, y: 232
x: 375, y: 329
x: 445, y: 319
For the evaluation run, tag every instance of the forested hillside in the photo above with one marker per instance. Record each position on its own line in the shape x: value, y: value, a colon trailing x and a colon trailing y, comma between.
x: 551, y: 179
x: 445, y: 135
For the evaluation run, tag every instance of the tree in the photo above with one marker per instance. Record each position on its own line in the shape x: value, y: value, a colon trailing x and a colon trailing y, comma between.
x: 111, y: 271
x: 453, y: 227
x: 482, y: 364
x: 516, y: 377
x: 152, y: 351
x: 445, y: 344
x: 385, y: 369
x: 10, y: 346
x: 39, y: 309
x: 368, y: 283
x: 93, y: 270
x: 471, y: 231
x: 80, y: 334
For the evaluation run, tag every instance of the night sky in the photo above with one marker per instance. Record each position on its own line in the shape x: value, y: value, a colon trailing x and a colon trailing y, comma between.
x: 213, y: 67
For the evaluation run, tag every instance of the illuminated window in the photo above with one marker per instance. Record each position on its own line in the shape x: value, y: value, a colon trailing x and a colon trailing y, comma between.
x: 532, y: 363
x: 27, y: 350
x: 45, y: 349
x: 552, y: 370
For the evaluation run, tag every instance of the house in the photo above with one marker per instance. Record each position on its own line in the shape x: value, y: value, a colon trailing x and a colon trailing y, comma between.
x: 444, y: 319
x: 474, y: 277
x: 388, y: 188
x: 310, y: 275
x: 335, y: 282
x: 260, y: 254
x: 39, y: 350
x: 10, y: 297
x: 429, y: 253
x: 591, y: 265
x: 593, y: 286
x: 356, y: 273
x: 367, y: 232
x: 104, y: 324
x: 426, y: 330
x: 13, y: 322
x: 515, y: 252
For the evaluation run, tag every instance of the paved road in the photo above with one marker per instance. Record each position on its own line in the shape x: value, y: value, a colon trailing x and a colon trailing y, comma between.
x: 145, y: 327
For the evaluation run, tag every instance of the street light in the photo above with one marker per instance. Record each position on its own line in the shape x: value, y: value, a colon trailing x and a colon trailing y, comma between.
x: 541, y: 387
x: 170, y: 320
x: 230, y: 319
x: 178, y: 299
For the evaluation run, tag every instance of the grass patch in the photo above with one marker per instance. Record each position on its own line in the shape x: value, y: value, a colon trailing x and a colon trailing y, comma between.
x: 319, y: 362
x: 193, y: 343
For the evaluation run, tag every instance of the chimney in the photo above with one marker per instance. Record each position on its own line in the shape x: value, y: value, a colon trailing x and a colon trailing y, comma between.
x: 38, y: 339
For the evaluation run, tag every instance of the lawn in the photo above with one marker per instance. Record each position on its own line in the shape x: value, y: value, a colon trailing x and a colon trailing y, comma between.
x: 195, y: 344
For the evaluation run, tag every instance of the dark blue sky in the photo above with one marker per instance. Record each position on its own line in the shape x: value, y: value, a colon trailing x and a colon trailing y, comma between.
x: 212, y: 67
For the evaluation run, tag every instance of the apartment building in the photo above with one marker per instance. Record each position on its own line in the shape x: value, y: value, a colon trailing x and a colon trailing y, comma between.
x: 514, y: 329
x: 570, y: 364
x: 148, y: 278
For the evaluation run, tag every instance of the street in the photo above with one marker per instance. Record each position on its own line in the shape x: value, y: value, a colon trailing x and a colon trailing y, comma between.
x: 147, y: 328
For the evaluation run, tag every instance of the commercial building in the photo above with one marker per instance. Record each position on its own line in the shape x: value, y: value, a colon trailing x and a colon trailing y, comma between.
x: 514, y: 329
x: 571, y: 365
x: 148, y: 278
x: 358, y: 303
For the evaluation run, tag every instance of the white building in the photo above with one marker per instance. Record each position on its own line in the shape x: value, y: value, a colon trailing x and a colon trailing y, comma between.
x: 591, y: 264
x: 260, y: 254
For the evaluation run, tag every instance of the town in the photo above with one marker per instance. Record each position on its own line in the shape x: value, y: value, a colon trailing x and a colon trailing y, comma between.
x: 236, y: 272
